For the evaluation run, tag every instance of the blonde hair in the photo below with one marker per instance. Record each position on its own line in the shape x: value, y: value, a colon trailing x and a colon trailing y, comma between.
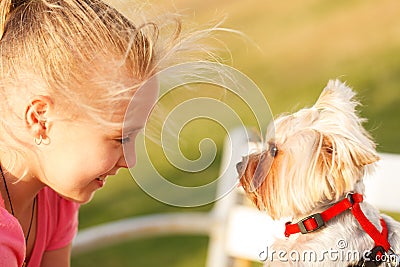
x: 74, y: 51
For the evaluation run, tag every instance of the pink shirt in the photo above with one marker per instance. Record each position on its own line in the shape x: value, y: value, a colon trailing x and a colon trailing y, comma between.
x: 57, y: 224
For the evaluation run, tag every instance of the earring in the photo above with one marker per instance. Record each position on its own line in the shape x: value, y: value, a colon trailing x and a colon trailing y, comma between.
x: 38, y: 142
x: 41, y: 140
x: 46, y: 141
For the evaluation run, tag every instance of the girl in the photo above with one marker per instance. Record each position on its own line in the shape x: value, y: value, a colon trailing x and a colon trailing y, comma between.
x: 68, y: 69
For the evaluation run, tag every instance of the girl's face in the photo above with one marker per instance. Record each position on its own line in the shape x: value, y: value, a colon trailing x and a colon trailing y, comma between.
x: 80, y: 156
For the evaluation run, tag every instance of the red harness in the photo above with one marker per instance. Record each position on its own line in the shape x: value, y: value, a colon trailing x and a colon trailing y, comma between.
x: 352, y: 202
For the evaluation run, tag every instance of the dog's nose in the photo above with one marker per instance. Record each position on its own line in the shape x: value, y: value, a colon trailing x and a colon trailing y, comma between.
x: 240, y: 168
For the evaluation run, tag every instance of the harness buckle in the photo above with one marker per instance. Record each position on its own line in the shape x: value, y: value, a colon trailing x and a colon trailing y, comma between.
x: 317, y: 218
x: 349, y: 196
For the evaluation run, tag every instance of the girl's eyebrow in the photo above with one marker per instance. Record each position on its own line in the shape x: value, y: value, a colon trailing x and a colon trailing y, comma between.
x: 126, y: 131
x: 132, y: 130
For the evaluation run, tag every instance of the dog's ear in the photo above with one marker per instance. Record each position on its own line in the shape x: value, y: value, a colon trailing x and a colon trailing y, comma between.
x: 341, y: 150
x: 342, y: 163
x: 336, y: 97
x: 338, y: 115
x: 345, y: 142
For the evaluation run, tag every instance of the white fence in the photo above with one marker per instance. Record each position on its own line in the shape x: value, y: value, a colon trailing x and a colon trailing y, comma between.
x: 225, y: 224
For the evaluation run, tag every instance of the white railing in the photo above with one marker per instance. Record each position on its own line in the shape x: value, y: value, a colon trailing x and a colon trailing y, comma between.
x: 382, y: 188
x: 235, y: 230
x: 139, y: 227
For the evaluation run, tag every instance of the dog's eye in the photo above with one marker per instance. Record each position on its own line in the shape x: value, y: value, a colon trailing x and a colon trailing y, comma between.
x: 273, y: 150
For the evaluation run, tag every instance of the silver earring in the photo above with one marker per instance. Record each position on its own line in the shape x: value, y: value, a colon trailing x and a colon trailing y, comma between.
x: 41, y: 140
x: 46, y: 141
x: 38, y: 142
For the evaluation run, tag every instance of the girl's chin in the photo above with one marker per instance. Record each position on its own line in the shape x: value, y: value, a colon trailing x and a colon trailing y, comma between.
x: 82, y: 199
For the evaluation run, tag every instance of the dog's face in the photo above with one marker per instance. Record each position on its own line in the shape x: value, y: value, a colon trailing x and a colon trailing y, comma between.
x: 313, y: 156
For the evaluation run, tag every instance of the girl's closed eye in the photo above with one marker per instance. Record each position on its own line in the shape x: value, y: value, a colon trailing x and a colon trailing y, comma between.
x: 128, y: 138
x: 124, y: 140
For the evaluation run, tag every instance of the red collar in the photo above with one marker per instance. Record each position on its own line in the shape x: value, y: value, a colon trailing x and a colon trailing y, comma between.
x: 352, y: 202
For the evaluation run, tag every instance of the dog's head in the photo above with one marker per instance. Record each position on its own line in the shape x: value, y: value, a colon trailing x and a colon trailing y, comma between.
x: 313, y: 156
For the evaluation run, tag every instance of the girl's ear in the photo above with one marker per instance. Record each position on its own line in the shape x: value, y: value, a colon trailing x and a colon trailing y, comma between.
x: 36, y: 116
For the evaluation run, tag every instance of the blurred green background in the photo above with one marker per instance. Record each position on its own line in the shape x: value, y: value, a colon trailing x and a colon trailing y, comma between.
x: 293, y: 48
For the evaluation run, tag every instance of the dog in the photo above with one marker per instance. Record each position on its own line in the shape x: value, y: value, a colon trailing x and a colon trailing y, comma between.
x: 311, y: 170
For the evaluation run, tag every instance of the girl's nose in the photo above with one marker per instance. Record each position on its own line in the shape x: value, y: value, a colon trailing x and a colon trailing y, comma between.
x: 128, y: 160
x: 128, y: 157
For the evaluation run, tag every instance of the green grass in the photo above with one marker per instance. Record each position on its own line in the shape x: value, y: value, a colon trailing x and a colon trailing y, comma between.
x: 150, y: 252
x: 301, y: 45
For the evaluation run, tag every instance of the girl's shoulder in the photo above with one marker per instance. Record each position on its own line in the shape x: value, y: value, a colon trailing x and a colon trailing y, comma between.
x: 12, y: 241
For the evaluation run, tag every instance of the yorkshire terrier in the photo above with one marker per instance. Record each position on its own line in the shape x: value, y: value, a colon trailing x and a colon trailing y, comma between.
x: 311, y: 170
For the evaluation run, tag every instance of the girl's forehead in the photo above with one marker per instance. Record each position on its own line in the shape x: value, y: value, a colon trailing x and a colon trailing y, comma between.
x: 134, y: 113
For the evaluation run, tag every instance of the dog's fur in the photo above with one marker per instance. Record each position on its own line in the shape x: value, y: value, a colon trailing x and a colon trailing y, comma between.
x: 312, y: 159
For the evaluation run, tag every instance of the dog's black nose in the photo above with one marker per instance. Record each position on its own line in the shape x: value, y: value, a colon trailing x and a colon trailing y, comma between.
x: 240, y: 168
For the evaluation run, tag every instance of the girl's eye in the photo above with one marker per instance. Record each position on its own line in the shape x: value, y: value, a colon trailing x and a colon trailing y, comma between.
x: 124, y: 140
x: 129, y: 136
